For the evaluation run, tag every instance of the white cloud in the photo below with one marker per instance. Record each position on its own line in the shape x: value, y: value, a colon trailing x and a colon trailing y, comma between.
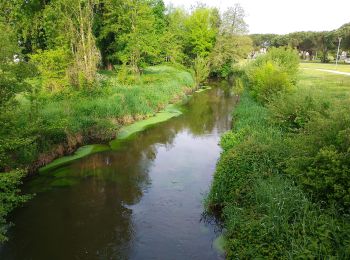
x: 279, y: 16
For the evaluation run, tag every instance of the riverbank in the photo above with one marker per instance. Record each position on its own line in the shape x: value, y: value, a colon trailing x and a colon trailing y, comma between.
x: 282, y: 182
x: 65, y: 121
x: 125, y: 202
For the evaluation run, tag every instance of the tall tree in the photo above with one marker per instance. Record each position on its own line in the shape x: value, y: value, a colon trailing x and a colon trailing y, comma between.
x: 172, y: 40
x: 233, y: 22
x: 231, y: 44
x: 201, y: 28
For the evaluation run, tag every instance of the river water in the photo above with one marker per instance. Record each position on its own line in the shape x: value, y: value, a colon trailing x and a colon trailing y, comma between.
x: 141, y: 201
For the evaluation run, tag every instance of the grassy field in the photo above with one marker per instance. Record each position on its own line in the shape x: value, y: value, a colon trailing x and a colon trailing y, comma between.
x: 282, y: 181
x: 327, y: 66
x: 333, y: 86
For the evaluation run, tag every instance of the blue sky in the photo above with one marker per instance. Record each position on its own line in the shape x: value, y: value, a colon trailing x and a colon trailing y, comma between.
x: 280, y: 16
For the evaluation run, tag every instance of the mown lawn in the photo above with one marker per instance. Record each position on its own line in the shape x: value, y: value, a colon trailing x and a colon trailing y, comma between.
x: 327, y: 66
x: 334, y: 86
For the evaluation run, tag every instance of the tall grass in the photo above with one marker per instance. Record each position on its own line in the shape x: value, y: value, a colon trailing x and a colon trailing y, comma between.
x: 96, y: 114
x: 266, y: 213
x: 282, y: 183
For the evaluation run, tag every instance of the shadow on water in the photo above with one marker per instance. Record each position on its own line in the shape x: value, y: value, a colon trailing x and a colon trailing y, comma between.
x: 142, y: 201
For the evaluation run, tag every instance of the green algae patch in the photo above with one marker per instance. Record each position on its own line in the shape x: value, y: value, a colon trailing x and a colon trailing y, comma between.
x: 81, y: 152
x: 219, y: 244
x: 202, y: 89
x: 127, y: 132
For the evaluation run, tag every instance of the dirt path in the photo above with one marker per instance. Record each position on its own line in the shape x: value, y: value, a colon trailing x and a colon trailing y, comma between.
x: 335, y: 72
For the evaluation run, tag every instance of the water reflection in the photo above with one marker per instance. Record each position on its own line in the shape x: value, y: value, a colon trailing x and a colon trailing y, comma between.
x: 143, y: 201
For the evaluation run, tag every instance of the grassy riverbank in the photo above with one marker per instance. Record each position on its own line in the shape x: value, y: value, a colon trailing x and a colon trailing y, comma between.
x: 64, y: 121
x: 282, y: 182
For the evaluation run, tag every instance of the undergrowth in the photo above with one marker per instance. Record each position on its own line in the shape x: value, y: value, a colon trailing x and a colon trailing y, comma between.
x: 282, y: 183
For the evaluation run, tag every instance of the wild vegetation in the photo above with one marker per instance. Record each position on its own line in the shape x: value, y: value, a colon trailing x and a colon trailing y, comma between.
x: 73, y: 72
x: 282, y: 183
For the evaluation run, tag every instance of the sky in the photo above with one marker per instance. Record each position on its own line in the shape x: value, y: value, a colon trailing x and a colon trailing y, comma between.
x: 285, y: 16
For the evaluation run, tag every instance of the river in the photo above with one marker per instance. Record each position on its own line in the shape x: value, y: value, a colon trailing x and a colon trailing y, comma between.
x: 143, y: 200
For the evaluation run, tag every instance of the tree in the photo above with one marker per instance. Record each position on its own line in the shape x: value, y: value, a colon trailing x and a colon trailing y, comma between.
x: 228, y: 50
x: 233, y: 21
x: 79, y: 16
x: 172, y: 41
x: 129, y: 32
x: 231, y: 44
x: 201, y: 70
x: 201, y: 28
x: 325, y: 42
x: 13, y: 70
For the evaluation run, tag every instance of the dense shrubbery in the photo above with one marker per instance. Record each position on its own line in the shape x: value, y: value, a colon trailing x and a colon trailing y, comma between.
x: 292, y: 111
x: 273, y: 73
x: 9, y: 197
x: 282, y: 182
x: 321, y: 161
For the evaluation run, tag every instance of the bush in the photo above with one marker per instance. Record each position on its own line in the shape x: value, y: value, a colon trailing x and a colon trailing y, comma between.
x: 269, y: 214
x: 292, y: 111
x: 9, y: 197
x: 52, y: 65
x: 273, y: 73
x: 320, y: 161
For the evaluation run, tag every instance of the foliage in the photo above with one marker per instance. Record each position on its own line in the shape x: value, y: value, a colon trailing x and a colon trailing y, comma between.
x: 52, y: 65
x: 201, y: 70
x: 292, y: 111
x: 200, y: 32
x: 13, y: 70
x: 229, y: 50
x: 10, y: 197
x: 319, y: 45
x: 321, y: 163
x: 273, y: 73
x: 281, y: 184
x: 276, y: 220
x: 232, y: 45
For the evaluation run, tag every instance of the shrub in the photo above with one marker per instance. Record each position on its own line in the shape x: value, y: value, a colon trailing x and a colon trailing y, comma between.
x: 268, y: 80
x: 292, y: 111
x: 267, y: 213
x: 9, y: 197
x: 320, y: 161
x: 52, y: 65
x: 273, y: 73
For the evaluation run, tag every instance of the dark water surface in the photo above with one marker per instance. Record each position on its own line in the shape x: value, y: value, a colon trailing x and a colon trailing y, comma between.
x: 142, y: 201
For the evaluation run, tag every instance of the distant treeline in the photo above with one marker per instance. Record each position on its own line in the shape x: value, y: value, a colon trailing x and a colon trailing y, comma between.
x: 323, y: 44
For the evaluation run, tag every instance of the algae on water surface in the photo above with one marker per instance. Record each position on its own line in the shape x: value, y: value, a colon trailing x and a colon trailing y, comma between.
x: 80, y: 153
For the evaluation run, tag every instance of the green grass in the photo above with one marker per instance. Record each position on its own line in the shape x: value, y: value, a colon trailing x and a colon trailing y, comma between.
x: 96, y: 114
x: 327, y: 66
x: 333, y: 85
